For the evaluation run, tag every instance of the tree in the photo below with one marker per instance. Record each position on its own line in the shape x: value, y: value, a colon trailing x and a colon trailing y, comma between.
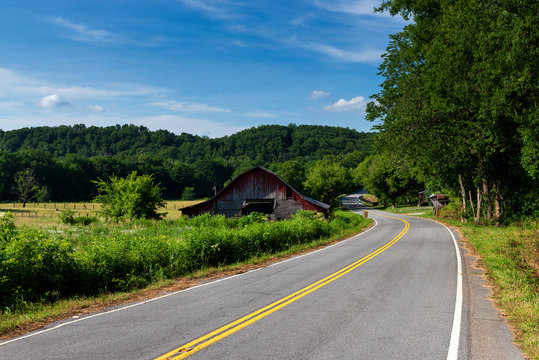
x: 459, y: 99
x: 389, y: 178
x: 130, y: 198
x: 26, y: 186
x: 293, y: 172
x: 327, y: 179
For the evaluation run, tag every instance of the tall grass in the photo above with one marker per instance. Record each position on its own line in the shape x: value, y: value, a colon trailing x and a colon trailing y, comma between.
x: 511, y: 257
x: 45, y: 266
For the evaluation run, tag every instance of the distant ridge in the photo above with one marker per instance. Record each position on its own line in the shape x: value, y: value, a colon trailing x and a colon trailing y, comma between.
x: 266, y: 143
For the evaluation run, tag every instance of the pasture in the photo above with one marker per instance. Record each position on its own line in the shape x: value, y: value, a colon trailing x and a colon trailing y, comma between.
x: 46, y: 214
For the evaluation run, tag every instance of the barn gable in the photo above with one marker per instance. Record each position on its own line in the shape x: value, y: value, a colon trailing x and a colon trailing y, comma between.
x: 257, y: 189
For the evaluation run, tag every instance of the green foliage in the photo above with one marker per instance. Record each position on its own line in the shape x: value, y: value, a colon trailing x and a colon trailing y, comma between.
x: 327, y: 179
x: 130, y: 198
x: 46, y: 266
x: 460, y: 98
x: 189, y: 193
x: 293, y: 172
x: 68, y: 217
x: 7, y: 227
x: 67, y: 159
x: 389, y: 178
x: 26, y: 186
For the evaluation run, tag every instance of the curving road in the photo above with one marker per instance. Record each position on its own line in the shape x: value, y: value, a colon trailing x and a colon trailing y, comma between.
x: 388, y: 293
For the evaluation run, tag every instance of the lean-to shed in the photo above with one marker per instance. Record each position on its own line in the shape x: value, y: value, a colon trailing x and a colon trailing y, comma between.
x: 257, y: 189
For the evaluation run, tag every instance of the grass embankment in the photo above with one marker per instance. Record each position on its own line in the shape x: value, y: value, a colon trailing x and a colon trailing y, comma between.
x: 510, y: 255
x: 59, y: 271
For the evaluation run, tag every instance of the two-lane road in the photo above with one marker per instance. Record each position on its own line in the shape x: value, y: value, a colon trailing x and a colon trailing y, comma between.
x: 388, y: 293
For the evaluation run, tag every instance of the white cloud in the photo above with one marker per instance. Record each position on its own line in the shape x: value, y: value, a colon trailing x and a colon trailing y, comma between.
x: 96, y: 108
x: 179, y: 124
x: 364, y: 56
x: 357, y: 103
x: 52, y: 101
x: 189, y: 107
x: 318, y: 94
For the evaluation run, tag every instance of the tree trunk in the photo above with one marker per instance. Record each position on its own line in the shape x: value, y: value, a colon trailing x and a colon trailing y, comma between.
x: 463, y: 193
x: 486, y: 197
x: 478, y: 213
x: 471, y: 203
x: 497, y: 201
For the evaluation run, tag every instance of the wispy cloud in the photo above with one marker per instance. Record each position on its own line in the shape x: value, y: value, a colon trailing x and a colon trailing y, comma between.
x: 189, y: 107
x: 4, y: 105
x: 318, y: 94
x: 87, y: 34
x: 362, y: 56
x: 351, y: 7
x: 357, y: 103
x: 260, y: 114
x: 15, y: 84
x: 219, y: 9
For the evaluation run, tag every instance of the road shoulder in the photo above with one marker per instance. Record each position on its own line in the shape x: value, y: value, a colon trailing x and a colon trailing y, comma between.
x: 490, y: 336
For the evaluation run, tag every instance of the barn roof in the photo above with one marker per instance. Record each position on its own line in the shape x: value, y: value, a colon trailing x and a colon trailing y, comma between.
x: 314, y: 202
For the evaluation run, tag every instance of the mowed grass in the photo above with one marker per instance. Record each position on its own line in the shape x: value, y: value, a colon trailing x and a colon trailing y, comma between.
x: 46, y: 214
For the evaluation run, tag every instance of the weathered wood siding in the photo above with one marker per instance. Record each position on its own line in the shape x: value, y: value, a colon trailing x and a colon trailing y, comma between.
x: 257, y: 183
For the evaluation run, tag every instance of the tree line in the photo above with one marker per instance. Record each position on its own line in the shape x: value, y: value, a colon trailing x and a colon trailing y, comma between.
x: 62, y: 163
x: 457, y: 109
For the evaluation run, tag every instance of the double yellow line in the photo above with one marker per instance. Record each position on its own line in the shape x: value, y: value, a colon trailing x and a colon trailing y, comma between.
x: 214, y: 336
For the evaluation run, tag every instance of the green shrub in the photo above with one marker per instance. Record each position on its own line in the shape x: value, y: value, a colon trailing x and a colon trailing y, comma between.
x: 131, y: 198
x: 68, y: 217
x: 7, y: 227
x: 45, y: 266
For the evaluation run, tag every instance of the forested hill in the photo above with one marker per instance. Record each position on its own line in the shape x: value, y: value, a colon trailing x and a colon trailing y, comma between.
x: 265, y: 144
x: 66, y: 160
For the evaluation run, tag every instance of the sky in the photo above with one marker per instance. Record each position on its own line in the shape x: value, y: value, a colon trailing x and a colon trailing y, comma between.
x: 205, y: 67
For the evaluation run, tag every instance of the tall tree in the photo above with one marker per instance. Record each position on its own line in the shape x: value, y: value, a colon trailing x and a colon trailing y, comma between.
x: 460, y: 93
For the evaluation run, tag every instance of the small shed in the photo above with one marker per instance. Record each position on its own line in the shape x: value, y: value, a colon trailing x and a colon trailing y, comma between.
x: 260, y: 190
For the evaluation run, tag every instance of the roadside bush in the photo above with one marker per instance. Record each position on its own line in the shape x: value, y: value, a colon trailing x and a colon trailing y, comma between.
x: 45, y: 266
x: 7, y: 227
x: 68, y: 217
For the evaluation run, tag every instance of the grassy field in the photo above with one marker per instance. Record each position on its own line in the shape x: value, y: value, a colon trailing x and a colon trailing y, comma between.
x: 46, y: 214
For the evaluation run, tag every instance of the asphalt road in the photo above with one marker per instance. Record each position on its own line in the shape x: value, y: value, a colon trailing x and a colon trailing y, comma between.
x: 388, y: 293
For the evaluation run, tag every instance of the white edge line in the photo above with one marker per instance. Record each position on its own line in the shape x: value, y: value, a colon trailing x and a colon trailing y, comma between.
x: 453, y: 352
x: 166, y: 295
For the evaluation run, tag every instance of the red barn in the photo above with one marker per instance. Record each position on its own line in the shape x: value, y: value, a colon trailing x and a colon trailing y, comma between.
x: 257, y: 189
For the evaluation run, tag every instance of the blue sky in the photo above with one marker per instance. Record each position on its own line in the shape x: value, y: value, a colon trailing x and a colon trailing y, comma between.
x: 207, y: 67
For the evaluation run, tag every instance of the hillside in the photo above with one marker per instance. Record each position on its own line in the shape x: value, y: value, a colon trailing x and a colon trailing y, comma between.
x: 66, y: 159
x: 268, y: 143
